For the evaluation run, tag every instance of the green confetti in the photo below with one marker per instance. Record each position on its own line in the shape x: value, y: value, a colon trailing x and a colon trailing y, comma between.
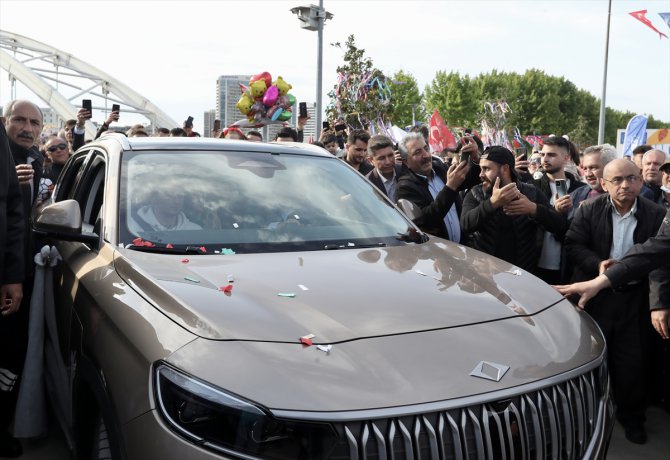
x: 188, y: 278
x: 286, y: 294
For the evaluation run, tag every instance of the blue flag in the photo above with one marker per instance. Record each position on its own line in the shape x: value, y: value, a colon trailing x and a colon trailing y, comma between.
x: 665, y: 17
x: 636, y: 134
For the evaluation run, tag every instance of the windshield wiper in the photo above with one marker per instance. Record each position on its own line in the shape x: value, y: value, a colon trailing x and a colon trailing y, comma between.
x: 353, y: 245
x: 164, y: 250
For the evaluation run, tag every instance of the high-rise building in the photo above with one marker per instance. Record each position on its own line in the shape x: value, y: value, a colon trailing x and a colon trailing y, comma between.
x: 209, y: 117
x: 227, y: 95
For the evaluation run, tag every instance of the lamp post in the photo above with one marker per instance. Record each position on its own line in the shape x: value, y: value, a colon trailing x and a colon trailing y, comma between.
x: 601, y: 122
x: 312, y: 18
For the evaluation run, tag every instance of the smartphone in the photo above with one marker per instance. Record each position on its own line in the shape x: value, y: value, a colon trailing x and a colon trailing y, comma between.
x: 561, y: 188
x: 340, y: 127
x: 464, y: 156
x: 116, y: 108
x: 303, y: 109
x: 325, y: 125
x: 86, y: 104
x: 217, y: 125
x: 523, y: 156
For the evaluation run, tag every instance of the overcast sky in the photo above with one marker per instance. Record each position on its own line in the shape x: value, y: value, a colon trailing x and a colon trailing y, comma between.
x: 171, y: 52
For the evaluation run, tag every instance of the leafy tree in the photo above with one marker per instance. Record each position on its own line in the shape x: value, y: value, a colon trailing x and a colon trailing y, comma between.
x: 408, y: 105
x: 361, y: 94
x: 454, y: 97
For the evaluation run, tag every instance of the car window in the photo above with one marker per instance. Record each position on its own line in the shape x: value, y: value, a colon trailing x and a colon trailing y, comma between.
x: 251, y: 202
x: 71, y: 174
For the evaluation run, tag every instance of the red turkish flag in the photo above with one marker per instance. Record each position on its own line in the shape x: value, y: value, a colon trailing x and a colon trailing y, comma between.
x: 440, y: 136
x: 640, y: 16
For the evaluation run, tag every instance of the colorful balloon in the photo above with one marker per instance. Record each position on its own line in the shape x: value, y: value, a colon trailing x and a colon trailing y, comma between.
x: 277, y: 113
x: 284, y: 87
x: 291, y: 99
x: 271, y: 95
x: 264, y: 76
x: 285, y: 116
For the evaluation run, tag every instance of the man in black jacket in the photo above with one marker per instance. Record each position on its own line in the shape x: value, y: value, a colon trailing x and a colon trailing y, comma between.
x: 386, y: 171
x: 505, y: 217
x: 602, y: 230
x: 23, y: 122
x: 555, y: 155
x: 432, y: 188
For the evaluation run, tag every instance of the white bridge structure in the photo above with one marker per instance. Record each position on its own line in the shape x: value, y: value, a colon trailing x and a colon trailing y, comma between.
x: 61, y: 81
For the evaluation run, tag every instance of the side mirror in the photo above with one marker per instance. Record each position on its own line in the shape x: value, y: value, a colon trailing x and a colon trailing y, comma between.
x: 410, y: 209
x: 62, y: 221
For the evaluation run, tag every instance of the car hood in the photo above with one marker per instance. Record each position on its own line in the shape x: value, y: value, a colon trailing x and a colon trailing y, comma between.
x: 401, y: 371
x: 336, y: 295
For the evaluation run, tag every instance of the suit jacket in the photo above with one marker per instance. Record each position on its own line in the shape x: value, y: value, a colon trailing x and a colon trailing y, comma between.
x: 588, y: 241
x: 414, y: 188
x: 12, y: 227
x: 373, y: 176
x: 651, y: 256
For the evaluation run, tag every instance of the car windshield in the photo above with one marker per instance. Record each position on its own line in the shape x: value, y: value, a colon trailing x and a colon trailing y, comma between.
x: 232, y: 201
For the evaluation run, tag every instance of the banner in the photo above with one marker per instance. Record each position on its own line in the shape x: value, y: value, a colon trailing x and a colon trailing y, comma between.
x: 636, y: 134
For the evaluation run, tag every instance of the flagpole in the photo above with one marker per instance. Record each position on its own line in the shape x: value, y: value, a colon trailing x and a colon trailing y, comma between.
x: 601, y: 123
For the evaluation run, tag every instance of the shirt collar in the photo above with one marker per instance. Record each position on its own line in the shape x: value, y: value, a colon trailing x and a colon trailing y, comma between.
x: 632, y: 211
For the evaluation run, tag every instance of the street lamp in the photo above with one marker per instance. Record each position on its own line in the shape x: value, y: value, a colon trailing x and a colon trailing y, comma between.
x: 312, y: 18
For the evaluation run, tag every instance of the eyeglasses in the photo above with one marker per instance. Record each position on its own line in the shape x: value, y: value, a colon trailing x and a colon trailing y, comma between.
x: 619, y: 180
x: 57, y: 147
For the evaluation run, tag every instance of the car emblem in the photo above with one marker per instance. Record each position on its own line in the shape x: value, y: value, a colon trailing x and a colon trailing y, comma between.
x: 489, y: 371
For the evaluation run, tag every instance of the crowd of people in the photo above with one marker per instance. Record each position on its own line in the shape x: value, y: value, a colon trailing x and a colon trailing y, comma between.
x: 565, y: 215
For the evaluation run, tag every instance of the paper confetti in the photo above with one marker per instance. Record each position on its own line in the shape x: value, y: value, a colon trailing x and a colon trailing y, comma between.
x: 169, y: 246
x: 419, y: 272
x: 185, y: 261
x: 286, y: 294
x: 303, y: 287
x: 226, y: 289
x: 231, y: 279
x: 325, y: 348
x: 188, y: 278
x: 307, y: 339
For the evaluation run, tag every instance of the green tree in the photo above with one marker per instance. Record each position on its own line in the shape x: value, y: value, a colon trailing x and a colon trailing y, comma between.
x: 407, y: 101
x: 362, y: 93
x: 454, y: 97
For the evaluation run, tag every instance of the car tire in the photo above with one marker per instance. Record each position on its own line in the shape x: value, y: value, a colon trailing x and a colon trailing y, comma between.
x: 100, y: 444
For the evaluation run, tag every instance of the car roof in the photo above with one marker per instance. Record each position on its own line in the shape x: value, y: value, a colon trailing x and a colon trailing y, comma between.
x: 206, y: 143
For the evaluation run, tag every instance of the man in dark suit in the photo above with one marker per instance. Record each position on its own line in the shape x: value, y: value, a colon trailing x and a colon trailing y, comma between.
x: 386, y: 171
x: 602, y: 231
x: 434, y: 189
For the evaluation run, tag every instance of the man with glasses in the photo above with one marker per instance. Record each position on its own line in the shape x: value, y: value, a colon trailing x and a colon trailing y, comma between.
x: 602, y: 231
x: 58, y: 152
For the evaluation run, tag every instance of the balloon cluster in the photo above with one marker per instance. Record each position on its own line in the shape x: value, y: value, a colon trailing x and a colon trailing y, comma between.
x: 264, y: 101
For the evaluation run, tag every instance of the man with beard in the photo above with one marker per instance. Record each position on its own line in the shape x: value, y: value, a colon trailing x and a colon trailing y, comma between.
x: 602, y: 231
x: 386, y: 171
x: 555, y: 155
x: 23, y: 121
x: 505, y: 217
x: 357, y: 151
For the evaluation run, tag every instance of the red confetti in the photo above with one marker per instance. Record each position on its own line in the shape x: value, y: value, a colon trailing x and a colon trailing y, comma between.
x: 305, y: 341
x: 169, y: 246
x: 185, y: 261
x: 228, y: 288
x: 140, y: 242
x: 203, y: 249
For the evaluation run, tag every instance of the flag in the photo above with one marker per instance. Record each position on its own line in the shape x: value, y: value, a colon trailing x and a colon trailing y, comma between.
x: 440, y: 136
x: 665, y: 17
x: 640, y: 16
x: 636, y: 134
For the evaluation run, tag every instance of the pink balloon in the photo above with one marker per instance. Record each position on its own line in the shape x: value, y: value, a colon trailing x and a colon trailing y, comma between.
x: 271, y: 95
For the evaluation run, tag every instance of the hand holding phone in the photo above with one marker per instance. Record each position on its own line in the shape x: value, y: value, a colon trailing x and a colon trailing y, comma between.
x: 87, y: 105
x: 116, y: 108
x: 561, y: 187
x: 303, y: 109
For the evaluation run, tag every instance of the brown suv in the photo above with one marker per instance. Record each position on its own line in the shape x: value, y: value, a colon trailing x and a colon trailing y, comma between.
x: 222, y: 299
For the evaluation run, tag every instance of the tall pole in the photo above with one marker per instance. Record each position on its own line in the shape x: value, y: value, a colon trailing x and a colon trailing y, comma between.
x: 601, y: 124
x: 319, y: 65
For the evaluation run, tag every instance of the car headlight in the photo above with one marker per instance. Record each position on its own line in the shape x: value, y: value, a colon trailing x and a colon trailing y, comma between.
x: 215, y: 419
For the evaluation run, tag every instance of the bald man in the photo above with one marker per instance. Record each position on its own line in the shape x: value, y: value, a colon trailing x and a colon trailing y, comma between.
x: 602, y: 231
x: 651, y: 173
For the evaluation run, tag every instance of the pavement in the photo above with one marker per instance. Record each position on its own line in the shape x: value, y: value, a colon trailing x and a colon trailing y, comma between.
x: 656, y: 448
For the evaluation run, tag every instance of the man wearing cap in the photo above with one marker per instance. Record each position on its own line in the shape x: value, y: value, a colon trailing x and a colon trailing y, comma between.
x: 665, y: 183
x: 505, y: 217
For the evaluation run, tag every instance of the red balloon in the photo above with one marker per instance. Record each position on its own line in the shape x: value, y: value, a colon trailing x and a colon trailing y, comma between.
x: 262, y: 76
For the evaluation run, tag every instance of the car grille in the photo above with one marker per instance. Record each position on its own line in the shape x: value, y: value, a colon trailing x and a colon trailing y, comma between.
x: 549, y: 423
